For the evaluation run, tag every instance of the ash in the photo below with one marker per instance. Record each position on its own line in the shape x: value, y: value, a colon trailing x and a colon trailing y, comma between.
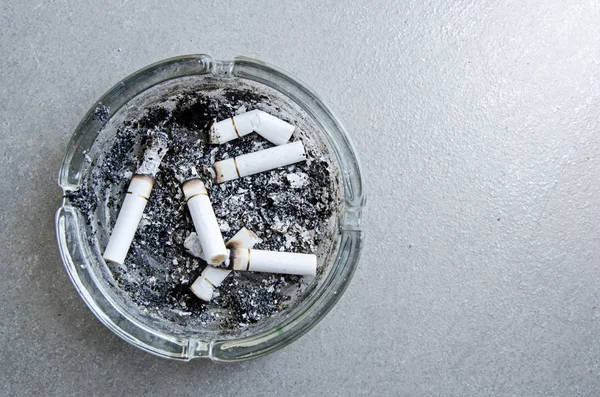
x: 101, y: 113
x: 288, y: 208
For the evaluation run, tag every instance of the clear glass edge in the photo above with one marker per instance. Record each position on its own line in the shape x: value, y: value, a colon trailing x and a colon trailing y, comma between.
x: 83, y: 280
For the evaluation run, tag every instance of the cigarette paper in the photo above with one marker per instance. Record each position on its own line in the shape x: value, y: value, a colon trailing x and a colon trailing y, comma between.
x: 129, y: 218
x: 263, y: 160
x: 212, y: 277
x: 268, y: 126
x: 250, y: 260
x: 205, y: 221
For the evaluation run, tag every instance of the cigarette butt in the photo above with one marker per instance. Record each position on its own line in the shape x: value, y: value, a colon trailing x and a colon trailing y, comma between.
x: 268, y: 126
x: 212, y: 277
x: 205, y: 221
x: 129, y: 218
x: 233, y: 128
x: 243, y: 238
x: 261, y: 161
x: 273, y: 129
x: 251, y: 260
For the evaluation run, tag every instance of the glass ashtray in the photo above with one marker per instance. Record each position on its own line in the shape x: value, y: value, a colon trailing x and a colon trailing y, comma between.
x: 80, y: 243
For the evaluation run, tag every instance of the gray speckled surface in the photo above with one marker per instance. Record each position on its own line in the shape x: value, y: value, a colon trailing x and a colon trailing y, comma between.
x: 478, y: 128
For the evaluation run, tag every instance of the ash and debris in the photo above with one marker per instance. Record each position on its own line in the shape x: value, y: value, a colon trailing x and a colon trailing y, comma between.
x: 288, y: 208
x: 101, y: 113
x: 156, y: 150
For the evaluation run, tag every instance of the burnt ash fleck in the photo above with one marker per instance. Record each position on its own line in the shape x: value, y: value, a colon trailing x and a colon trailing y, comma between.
x: 85, y: 199
x: 158, y: 270
x: 240, y: 98
x: 101, y: 113
x: 251, y: 301
x: 156, y: 116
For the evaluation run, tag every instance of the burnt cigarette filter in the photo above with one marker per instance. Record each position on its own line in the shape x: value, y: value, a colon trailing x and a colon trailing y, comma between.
x: 205, y: 221
x: 268, y: 126
x: 212, y: 277
x: 251, y: 260
x: 129, y: 218
x: 260, y: 161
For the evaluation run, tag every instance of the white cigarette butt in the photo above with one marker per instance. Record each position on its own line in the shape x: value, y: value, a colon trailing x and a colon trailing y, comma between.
x: 244, y: 259
x: 232, y: 128
x: 261, y: 161
x: 273, y: 129
x: 205, y: 221
x: 268, y: 126
x: 135, y: 200
x: 212, y: 277
x: 129, y: 218
x: 243, y: 238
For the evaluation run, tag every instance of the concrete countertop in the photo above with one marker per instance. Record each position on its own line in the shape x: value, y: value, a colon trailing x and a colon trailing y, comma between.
x: 477, y: 124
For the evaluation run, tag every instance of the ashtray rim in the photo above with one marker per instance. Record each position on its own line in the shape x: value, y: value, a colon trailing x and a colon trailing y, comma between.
x: 174, y: 347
